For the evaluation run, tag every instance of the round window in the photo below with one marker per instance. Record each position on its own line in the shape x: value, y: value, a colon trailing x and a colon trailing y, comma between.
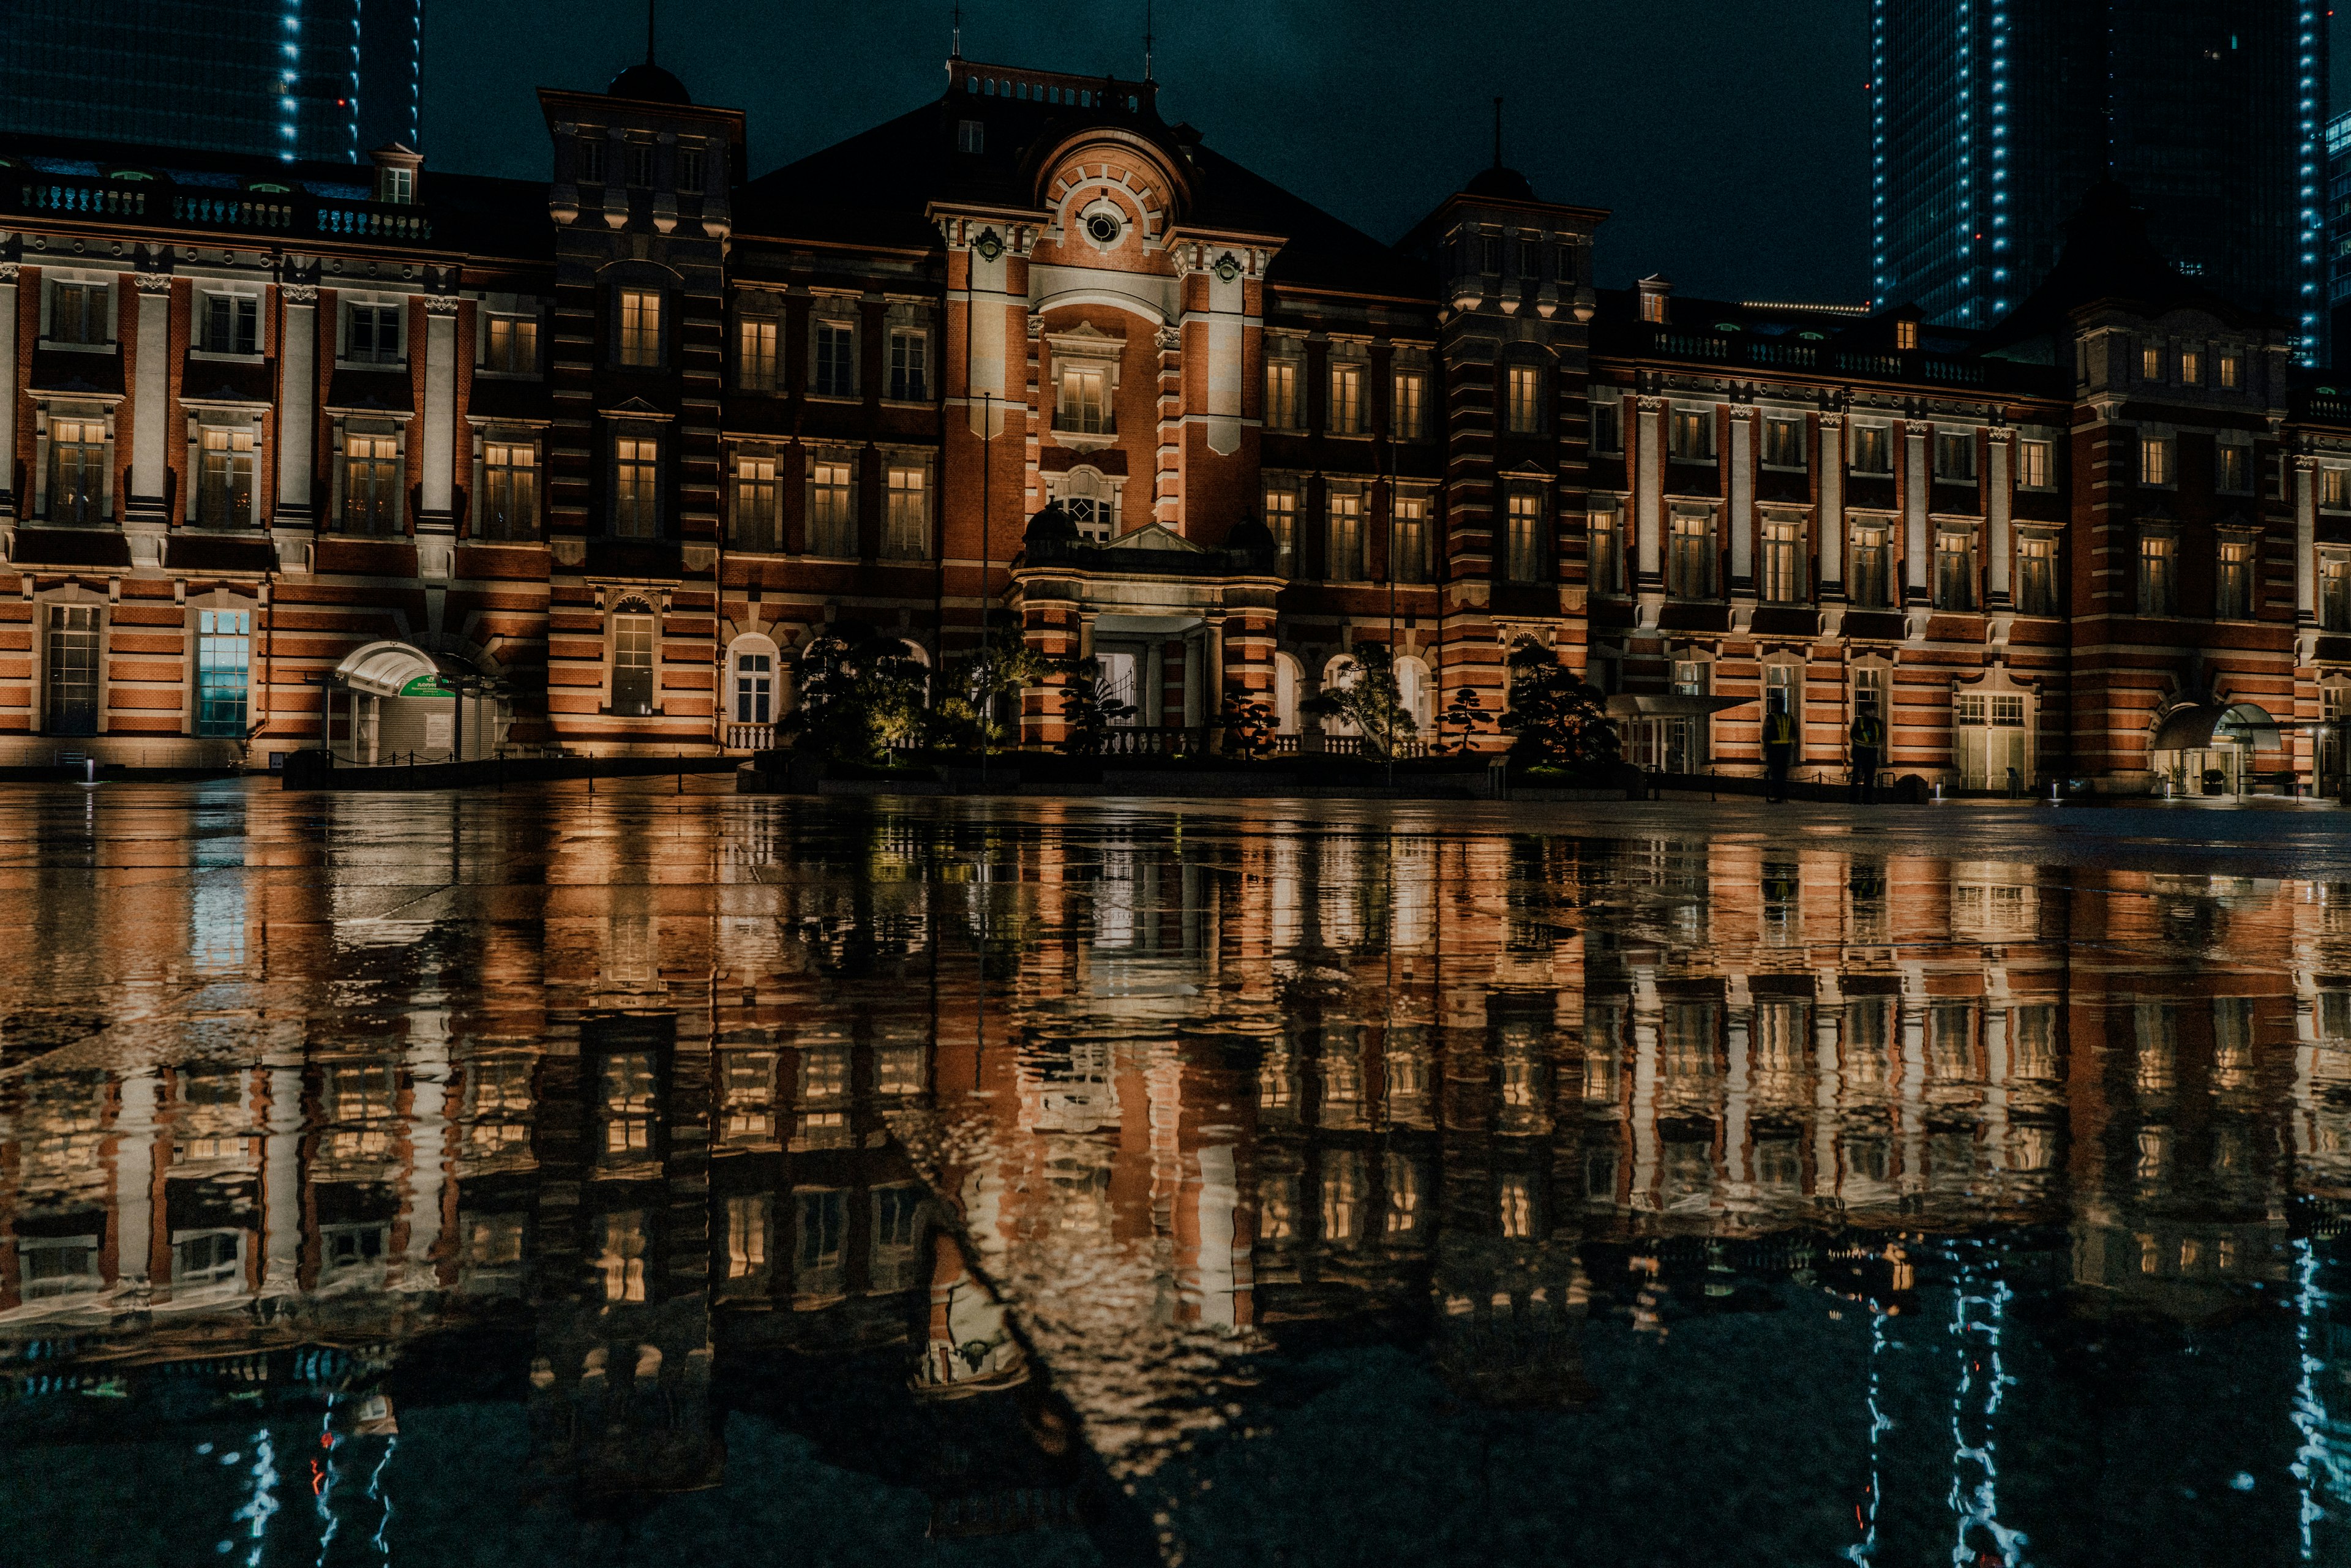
x: 1102, y: 227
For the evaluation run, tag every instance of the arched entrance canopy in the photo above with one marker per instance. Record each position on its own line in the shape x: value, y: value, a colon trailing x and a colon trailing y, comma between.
x: 387, y: 669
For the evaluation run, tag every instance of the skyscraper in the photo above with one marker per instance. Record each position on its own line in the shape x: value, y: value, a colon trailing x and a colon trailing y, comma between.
x: 296, y: 79
x: 1989, y: 119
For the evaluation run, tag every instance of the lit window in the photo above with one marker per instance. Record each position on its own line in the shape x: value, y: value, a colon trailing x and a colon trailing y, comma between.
x: 1869, y: 583
x: 832, y: 514
x: 756, y: 515
x: 224, y: 660
x: 2154, y: 460
x: 396, y: 186
x: 2036, y: 575
x: 1955, y: 570
x: 2033, y: 464
x: 909, y: 367
x: 1525, y: 410
x: 1782, y: 575
x: 1085, y: 400
x: 232, y: 324
x: 224, y: 480
x: 1605, y: 556
x: 2331, y: 488
x: 755, y: 353
x: 2231, y: 467
x: 1523, y: 552
x: 1693, y: 435
x: 2232, y: 371
x: 836, y: 359
x: 1409, y: 554
x: 633, y: 663
x: 2232, y: 590
x: 1282, y: 522
x: 513, y: 346
x: 1410, y: 390
x: 1872, y: 449
x: 640, y: 328
x: 1346, y: 398
x: 2334, y: 594
x: 2192, y: 368
x: 2150, y: 362
x: 1344, y: 561
x: 1652, y: 306
x: 1783, y: 443
x: 1281, y: 394
x: 1955, y: 456
x: 1906, y: 335
x: 906, y: 522
x: 636, y: 510
x: 371, y: 484
x: 509, y: 489
x: 1691, y: 564
x: 2158, y: 559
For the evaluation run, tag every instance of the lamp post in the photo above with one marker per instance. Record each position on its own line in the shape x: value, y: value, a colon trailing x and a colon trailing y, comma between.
x: 986, y: 607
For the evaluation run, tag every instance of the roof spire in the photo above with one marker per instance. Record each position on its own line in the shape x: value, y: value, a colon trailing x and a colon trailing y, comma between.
x: 1498, y: 130
x: 649, y: 32
x: 1146, y: 40
x: 955, y: 47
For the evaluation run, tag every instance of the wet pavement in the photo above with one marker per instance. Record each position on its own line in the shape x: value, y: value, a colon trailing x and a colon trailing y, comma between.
x: 543, y: 1178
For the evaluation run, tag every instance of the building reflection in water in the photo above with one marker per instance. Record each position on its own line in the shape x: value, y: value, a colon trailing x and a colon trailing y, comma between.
x: 1029, y: 1165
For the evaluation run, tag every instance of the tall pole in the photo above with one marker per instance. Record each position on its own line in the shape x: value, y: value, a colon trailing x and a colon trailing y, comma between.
x: 1379, y: 446
x: 987, y: 605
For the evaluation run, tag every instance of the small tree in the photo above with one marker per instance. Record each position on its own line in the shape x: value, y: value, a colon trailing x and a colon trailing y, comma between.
x: 976, y: 701
x: 860, y: 693
x: 1556, y: 719
x: 1365, y: 694
x: 1462, y: 715
x: 1249, y: 725
x: 1088, y: 707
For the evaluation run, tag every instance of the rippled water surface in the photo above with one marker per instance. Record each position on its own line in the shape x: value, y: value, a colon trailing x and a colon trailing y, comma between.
x: 539, y: 1178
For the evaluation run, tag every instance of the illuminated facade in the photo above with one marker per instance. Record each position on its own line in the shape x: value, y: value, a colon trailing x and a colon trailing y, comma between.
x: 289, y: 465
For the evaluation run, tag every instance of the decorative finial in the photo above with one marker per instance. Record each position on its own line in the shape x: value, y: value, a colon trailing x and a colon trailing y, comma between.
x: 1146, y: 40
x: 649, y: 32
x: 1498, y: 132
x: 954, y: 49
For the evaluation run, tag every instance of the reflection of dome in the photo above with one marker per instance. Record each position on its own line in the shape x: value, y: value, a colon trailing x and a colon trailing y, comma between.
x: 648, y: 83
x: 1507, y: 183
x: 1051, y: 526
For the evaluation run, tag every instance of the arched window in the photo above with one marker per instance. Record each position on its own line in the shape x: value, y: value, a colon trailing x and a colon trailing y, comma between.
x: 1091, y: 502
x: 1340, y: 672
x: 1417, y: 692
x: 1287, y: 678
x: 753, y: 670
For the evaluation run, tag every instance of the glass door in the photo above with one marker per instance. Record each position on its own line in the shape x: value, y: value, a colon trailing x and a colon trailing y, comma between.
x: 73, y: 707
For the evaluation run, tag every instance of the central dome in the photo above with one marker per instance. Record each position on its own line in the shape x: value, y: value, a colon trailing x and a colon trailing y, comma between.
x: 648, y: 83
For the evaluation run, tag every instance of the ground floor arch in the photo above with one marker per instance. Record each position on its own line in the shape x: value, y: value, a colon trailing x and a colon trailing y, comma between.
x: 391, y: 702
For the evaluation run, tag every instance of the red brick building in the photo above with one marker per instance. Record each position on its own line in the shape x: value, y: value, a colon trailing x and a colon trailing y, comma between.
x: 288, y: 457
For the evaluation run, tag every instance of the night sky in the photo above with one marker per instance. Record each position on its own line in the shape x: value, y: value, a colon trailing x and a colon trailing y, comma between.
x: 1731, y: 139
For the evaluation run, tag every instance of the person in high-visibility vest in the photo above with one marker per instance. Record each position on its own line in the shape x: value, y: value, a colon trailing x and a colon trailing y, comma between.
x: 1779, y: 749
x: 1868, y: 738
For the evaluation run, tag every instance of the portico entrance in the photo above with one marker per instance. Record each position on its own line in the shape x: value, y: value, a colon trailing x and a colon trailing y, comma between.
x: 392, y: 702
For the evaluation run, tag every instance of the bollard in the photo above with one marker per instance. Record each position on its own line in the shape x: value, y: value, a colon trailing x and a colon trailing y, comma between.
x: 89, y: 766
x: 592, y: 773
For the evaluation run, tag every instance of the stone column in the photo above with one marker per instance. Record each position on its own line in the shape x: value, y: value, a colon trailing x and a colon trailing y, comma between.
x: 440, y: 411
x: 134, y: 1199
x: 1085, y: 634
x: 1649, y: 500
x: 1832, y: 561
x: 1647, y: 1019
x: 297, y: 414
x: 2305, y: 540
x: 1742, y: 500
x: 1214, y: 684
x: 8, y: 502
x: 281, y: 1181
x: 1999, y: 506
x: 1915, y: 542
x: 1155, y: 682
x: 151, y: 398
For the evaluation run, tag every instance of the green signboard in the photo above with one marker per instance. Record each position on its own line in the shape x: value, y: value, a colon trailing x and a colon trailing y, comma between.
x: 424, y: 687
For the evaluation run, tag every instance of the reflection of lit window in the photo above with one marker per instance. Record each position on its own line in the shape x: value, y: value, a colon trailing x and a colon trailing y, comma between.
x: 897, y: 1219
x: 351, y: 1254
x: 2032, y: 1042
x: 1517, y: 1204
x: 2157, y: 1029
x: 820, y: 1220
x: 748, y: 1220
x: 619, y: 1255
x: 749, y: 1089
x: 625, y: 1091
x: 51, y: 1266
x: 1404, y: 1195
x: 1276, y: 1208
x: 201, y: 1258
x: 1343, y: 1185
x: 900, y: 1068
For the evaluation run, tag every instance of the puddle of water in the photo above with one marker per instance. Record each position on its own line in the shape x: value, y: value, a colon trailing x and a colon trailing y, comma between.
x: 523, y: 1178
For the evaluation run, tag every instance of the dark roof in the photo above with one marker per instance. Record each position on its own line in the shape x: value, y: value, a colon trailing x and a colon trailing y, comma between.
x: 472, y: 213
x: 2109, y: 256
x: 648, y: 83
x: 1506, y: 183
x: 874, y: 186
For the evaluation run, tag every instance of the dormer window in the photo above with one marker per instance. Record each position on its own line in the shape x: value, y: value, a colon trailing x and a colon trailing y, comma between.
x: 397, y: 187
x: 641, y: 165
x: 591, y: 160
x: 971, y: 136
x: 692, y: 166
x: 1905, y: 336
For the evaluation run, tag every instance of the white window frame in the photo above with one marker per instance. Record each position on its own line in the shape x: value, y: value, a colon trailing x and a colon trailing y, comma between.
x: 831, y: 321
x: 758, y: 351
x: 1801, y: 443
x: 906, y: 474
x: 106, y: 288
x: 2047, y: 447
x: 630, y: 435
x: 375, y: 359
x: 900, y: 333
x: 631, y: 348
x: 203, y: 349
x: 512, y: 320
x: 819, y: 463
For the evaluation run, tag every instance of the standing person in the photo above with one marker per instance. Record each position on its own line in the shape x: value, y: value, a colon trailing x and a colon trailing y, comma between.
x: 1779, y: 749
x: 1868, y: 738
